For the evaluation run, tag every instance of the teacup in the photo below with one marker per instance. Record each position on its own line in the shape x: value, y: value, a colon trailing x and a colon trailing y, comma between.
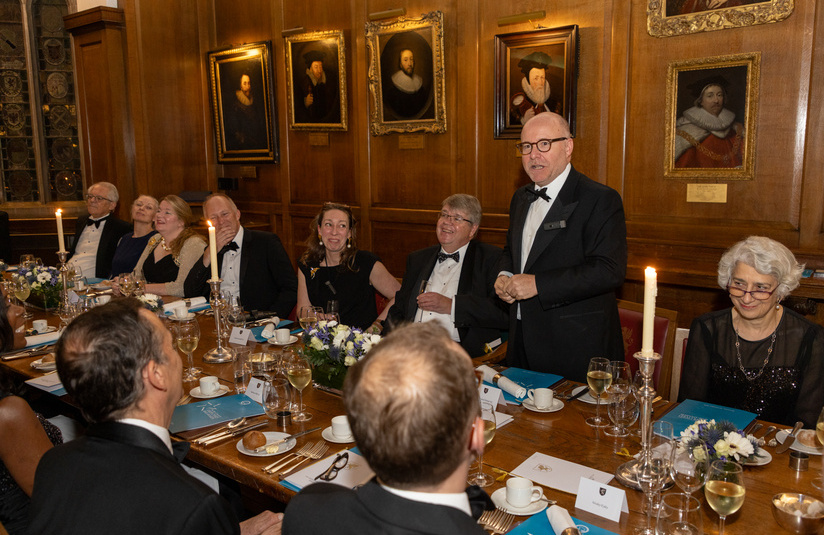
x: 209, y: 385
x: 340, y: 427
x: 282, y: 336
x: 520, y: 492
x: 542, y: 398
x: 180, y: 312
x: 40, y: 326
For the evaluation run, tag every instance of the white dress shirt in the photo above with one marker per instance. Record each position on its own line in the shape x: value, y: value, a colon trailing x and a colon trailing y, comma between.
x: 444, y: 280
x: 85, y: 253
x: 458, y: 500
x: 161, y: 432
x: 230, y: 268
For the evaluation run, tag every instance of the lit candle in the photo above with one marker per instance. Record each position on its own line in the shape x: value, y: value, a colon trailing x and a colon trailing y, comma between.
x: 59, y: 215
x: 213, y: 251
x: 650, y: 291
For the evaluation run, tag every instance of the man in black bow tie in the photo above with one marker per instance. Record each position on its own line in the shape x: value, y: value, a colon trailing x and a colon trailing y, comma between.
x: 565, y: 256
x: 119, y: 364
x: 460, y: 274
x: 96, y: 235
x: 253, y: 264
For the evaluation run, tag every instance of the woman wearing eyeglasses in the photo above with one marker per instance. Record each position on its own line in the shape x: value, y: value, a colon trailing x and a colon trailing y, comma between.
x: 333, y: 269
x: 757, y: 356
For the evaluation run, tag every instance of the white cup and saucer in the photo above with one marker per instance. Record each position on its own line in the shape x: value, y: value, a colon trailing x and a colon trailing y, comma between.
x: 520, y: 497
x: 542, y: 400
x: 182, y: 313
x: 209, y: 387
x: 283, y: 337
x: 339, y: 432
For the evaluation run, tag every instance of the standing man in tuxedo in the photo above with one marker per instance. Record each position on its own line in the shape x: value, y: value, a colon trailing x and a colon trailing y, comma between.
x: 124, y: 475
x: 565, y: 256
x: 253, y: 264
x: 96, y: 235
x: 459, y: 275
x: 414, y: 409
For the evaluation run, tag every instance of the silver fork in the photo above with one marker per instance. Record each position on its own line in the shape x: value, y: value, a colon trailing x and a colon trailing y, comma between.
x: 289, y: 458
x: 499, y: 521
x: 318, y: 452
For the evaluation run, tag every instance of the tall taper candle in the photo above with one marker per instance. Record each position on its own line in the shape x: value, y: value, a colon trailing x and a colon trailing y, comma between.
x: 650, y: 291
x: 213, y: 251
x: 59, y: 215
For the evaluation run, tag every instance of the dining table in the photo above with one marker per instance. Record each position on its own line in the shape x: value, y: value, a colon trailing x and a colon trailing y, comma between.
x: 562, y: 434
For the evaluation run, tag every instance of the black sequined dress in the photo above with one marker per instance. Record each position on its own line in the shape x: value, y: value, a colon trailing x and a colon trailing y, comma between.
x: 791, y: 385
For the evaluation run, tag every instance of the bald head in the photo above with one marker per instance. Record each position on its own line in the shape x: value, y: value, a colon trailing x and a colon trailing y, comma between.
x: 544, y: 167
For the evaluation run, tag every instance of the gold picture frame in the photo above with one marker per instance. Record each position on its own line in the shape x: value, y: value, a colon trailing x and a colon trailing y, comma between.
x: 243, y: 107
x: 712, y: 105
x: 316, y: 81
x: 408, y: 98
x: 667, y: 18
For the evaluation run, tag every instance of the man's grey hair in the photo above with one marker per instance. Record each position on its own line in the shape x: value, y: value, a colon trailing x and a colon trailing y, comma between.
x: 467, y: 204
x: 112, y: 194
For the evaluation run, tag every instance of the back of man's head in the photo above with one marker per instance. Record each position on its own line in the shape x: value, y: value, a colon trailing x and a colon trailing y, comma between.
x: 101, y: 355
x: 411, y: 404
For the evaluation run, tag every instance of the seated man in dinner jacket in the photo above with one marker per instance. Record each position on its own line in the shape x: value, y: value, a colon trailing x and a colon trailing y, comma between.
x: 96, y: 235
x: 460, y: 276
x: 124, y: 476
x: 253, y: 264
x: 413, y: 406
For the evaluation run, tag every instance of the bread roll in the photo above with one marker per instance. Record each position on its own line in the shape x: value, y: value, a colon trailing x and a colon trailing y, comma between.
x: 253, y: 440
x: 48, y: 358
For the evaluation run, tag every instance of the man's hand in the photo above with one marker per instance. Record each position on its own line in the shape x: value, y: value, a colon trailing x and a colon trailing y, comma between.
x: 500, y: 289
x: 521, y: 287
x: 224, y: 235
x: 308, y: 100
x: 435, y: 302
x: 266, y: 523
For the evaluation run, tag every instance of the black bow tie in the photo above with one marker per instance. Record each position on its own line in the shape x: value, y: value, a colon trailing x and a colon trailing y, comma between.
x: 96, y: 222
x: 231, y: 246
x: 536, y: 193
x: 456, y: 256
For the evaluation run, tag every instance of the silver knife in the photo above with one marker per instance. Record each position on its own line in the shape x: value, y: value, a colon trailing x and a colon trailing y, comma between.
x: 790, y: 438
x: 290, y: 437
x: 28, y: 353
x: 234, y: 433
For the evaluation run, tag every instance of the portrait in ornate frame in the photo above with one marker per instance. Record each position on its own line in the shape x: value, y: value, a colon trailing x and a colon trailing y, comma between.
x: 666, y: 18
x: 535, y: 71
x: 316, y: 81
x: 406, y: 74
x: 243, y: 106
x: 712, y: 104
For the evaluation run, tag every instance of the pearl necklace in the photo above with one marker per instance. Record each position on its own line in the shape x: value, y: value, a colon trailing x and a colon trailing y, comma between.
x: 163, y: 244
x: 766, y: 360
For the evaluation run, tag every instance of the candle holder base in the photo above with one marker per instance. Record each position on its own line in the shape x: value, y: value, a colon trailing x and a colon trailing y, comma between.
x: 627, y: 475
x: 219, y: 355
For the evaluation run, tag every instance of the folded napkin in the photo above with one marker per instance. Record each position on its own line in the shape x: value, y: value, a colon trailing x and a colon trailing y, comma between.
x: 507, y: 385
x: 560, y: 521
x: 195, y: 304
x: 42, y: 339
x: 269, y: 330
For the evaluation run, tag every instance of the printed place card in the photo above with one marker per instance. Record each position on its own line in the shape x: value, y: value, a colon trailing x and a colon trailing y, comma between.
x: 602, y: 500
x: 558, y: 473
x: 255, y: 390
x: 491, y: 394
x: 240, y: 336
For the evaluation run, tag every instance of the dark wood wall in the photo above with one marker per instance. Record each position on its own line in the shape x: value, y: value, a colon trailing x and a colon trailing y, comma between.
x: 620, y: 137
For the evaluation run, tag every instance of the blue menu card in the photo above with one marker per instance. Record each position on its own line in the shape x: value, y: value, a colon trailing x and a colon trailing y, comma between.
x: 213, y: 411
x: 539, y: 523
x: 687, y: 412
x: 529, y: 380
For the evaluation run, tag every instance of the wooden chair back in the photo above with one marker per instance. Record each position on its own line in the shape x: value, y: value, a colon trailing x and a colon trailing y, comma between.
x: 632, y: 319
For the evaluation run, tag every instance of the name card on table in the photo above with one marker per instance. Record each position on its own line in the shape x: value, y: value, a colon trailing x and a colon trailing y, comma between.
x: 255, y: 390
x: 490, y: 394
x: 558, y: 473
x: 240, y: 335
x: 602, y: 500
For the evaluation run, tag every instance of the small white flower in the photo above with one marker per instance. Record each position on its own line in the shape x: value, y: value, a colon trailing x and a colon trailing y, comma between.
x: 722, y: 448
x: 317, y: 344
x: 349, y: 361
x: 739, y: 446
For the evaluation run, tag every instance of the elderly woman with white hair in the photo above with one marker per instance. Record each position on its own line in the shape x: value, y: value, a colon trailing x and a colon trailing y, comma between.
x: 757, y: 356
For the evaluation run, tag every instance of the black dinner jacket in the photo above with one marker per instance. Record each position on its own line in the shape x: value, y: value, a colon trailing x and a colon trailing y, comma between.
x: 324, y: 508
x: 121, y: 478
x: 113, y: 230
x: 480, y: 315
x: 267, y: 278
x: 579, y: 259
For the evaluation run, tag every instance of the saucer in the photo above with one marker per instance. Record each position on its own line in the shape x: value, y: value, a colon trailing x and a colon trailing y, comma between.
x: 49, y: 329
x: 328, y: 435
x: 797, y: 446
x: 557, y: 405
x: 499, y: 499
x: 271, y: 436
x: 195, y: 392
x: 292, y: 340
x: 47, y: 367
x: 587, y: 398
x: 763, y: 458
x: 188, y: 316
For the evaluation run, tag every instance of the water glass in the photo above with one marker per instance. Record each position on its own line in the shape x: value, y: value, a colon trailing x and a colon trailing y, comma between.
x: 241, y: 368
x: 275, y: 396
x: 680, y: 514
x: 689, y: 466
x: 622, y: 410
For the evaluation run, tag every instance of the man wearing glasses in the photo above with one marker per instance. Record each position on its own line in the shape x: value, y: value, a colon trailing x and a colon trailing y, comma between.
x: 96, y: 235
x: 453, y: 283
x: 565, y: 255
x: 414, y: 410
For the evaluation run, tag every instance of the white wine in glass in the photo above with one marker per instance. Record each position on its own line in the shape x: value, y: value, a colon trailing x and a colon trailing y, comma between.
x: 599, y: 378
x: 724, y: 490
x: 22, y: 291
x: 299, y: 374
x: 308, y: 317
x: 187, y: 333
x: 819, y: 433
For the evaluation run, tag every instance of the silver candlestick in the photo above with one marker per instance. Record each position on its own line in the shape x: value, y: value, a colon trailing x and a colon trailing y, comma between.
x: 64, y: 277
x: 220, y: 353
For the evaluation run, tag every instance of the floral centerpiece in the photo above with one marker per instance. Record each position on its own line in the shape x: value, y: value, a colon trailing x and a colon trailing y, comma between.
x: 45, y: 285
x: 151, y: 301
x: 332, y: 347
x: 723, y: 440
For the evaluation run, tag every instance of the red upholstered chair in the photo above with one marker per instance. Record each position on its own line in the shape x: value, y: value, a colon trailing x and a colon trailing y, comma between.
x: 663, y: 340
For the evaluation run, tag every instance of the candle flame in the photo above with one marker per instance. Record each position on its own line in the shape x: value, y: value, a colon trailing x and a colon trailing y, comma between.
x: 649, y: 271
x: 209, y: 222
x: 58, y: 212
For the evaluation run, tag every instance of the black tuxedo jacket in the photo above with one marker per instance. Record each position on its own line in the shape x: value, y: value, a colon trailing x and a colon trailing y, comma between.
x: 267, y: 278
x: 121, y: 478
x: 579, y: 259
x: 328, y: 508
x: 479, y: 314
x: 113, y: 230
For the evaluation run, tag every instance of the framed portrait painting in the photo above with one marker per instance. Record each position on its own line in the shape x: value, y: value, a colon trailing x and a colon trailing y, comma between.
x: 316, y: 81
x: 712, y: 104
x: 535, y: 72
x: 666, y: 18
x: 243, y: 110
x: 406, y: 75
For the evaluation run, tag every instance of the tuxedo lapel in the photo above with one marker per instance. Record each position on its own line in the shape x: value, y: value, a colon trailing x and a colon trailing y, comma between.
x: 467, y: 270
x: 517, y: 225
x: 245, y: 253
x: 555, y: 220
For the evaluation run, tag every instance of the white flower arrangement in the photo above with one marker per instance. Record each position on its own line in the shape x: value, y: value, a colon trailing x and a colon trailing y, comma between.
x: 337, y: 345
x: 151, y: 301
x: 723, y: 440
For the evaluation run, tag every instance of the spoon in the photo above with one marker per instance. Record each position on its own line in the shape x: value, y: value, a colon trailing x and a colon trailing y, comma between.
x: 231, y: 425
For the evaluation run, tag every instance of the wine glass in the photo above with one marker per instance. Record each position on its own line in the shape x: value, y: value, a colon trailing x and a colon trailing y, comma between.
x: 299, y: 373
x: 725, y: 489
x: 488, y: 416
x: 126, y: 283
x: 22, y: 291
x: 616, y: 391
x: 308, y: 316
x: 819, y: 433
x: 598, y: 379
x: 234, y: 312
x: 332, y: 310
x: 187, y: 333
x: 27, y: 262
x: 622, y: 410
x: 139, y: 282
x: 680, y: 514
x: 653, y: 470
x: 275, y: 396
x: 66, y: 312
x: 689, y: 466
